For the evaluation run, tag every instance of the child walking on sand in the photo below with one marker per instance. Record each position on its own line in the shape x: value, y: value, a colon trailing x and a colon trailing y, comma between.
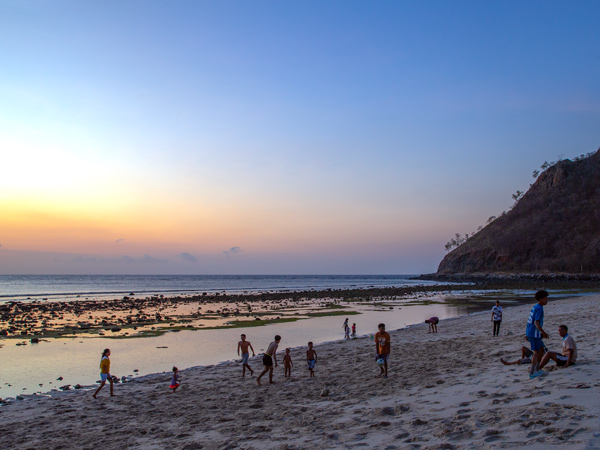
x: 105, y: 372
x: 175, y: 379
x: 287, y: 363
x: 311, y: 359
x: 353, y: 330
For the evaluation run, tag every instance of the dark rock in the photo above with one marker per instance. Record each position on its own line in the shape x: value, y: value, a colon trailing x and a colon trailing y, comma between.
x: 115, y: 329
x: 78, y: 386
x: 34, y: 340
x: 324, y: 393
x: 66, y: 387
x: 388, y: 411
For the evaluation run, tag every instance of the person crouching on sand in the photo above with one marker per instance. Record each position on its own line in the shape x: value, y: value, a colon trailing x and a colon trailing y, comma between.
x: 175, y: 379
x: 432, y: 321
x: 268, y: 358
x: 105, y: 373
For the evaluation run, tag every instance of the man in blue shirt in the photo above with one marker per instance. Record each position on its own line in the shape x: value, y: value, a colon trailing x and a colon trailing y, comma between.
x: 535, y: 333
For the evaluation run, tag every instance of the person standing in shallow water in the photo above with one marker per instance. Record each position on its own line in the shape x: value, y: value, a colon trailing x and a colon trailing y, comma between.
x: 105, y: 373
x: 497, y: 317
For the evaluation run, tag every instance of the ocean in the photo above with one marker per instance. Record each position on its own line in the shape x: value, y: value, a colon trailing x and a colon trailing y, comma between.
x: 64, y: 287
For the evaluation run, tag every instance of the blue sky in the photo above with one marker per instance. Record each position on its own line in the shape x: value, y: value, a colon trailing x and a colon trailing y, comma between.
x: 318, y: 137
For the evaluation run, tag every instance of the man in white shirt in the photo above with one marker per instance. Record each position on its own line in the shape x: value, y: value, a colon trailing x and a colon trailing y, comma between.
x: 497, y: 317
x: 569, y: 351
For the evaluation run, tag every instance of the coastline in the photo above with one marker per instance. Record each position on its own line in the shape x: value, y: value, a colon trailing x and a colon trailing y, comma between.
x: 445, y: 390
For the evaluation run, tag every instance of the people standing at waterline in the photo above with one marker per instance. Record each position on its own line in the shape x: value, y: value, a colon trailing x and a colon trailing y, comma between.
x: 535, y: 332
x: 268, y: 359
x: 346, y: 329
x: 105, y: 373
x: 243, y: 346
x: 497, y: 318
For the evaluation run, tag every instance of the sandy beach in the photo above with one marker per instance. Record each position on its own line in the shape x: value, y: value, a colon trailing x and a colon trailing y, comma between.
x: 444, y: 391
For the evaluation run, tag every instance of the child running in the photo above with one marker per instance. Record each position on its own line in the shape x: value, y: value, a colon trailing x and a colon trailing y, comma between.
x: 311, y: 359
x: 287, y: 363
x: 175, y: 379
x: 268, y: 358
x: 105, y: 373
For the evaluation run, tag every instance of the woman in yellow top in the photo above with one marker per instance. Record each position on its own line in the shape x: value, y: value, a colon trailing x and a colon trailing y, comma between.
x: 105, y: 372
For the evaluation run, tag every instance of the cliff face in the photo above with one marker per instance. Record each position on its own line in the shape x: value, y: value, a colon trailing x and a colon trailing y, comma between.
x: 555, y: 227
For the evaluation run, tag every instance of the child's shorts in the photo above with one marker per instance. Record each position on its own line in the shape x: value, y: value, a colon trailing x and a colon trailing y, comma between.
x: 103, y: 376
x: 173, y: 386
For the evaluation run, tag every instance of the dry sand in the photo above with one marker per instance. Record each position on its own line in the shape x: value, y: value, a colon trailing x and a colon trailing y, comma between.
x: 445, y: 390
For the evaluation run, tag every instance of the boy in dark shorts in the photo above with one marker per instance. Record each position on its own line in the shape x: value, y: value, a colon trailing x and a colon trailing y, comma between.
x: 268, y: 358
x: 311, y: 359
x: 535, y: 333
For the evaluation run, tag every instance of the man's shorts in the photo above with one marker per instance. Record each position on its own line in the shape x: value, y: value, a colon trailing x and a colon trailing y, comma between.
x: 384, y: 357
x: 103, y: 376
x: 536, y: 343
x: 267, y: 360
x: 561, y: 360
x: 311, y: 364
x: 245, y: 357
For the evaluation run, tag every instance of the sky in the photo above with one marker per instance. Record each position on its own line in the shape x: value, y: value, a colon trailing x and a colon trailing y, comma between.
x: 233, y: 137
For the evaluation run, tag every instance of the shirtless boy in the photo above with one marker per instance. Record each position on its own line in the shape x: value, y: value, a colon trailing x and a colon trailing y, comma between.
x: 311, y: 359
x: 268, y: 358
x: 243, y: 346
x: 287, y: 363
x: 382, y: 347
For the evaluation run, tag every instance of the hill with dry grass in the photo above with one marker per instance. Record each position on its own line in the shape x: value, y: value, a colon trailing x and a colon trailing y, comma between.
x: 553, y: 228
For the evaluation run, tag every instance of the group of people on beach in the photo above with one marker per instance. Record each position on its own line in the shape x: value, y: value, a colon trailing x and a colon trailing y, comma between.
x: 538, y: 354
x: 270, y: 358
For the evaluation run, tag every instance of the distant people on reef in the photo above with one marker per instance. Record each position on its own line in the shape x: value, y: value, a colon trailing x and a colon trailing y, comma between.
x: 287, y: 364
x: 311, y: 359
x: 432, y: 321
x: 269, y: 357
x: 175, y: 379
x: 346, y: 329
x: 497, y: 318
x: 568, y: 356
x: 535, y: 332
x: 243, y: 346
x: 105, y: 373
x: 382, y: 348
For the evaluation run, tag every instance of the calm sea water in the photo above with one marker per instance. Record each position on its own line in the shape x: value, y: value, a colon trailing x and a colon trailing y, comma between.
x: 56, y: 287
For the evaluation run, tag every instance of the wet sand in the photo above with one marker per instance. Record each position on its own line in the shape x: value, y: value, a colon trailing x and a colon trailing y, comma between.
x: 445, y: 390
